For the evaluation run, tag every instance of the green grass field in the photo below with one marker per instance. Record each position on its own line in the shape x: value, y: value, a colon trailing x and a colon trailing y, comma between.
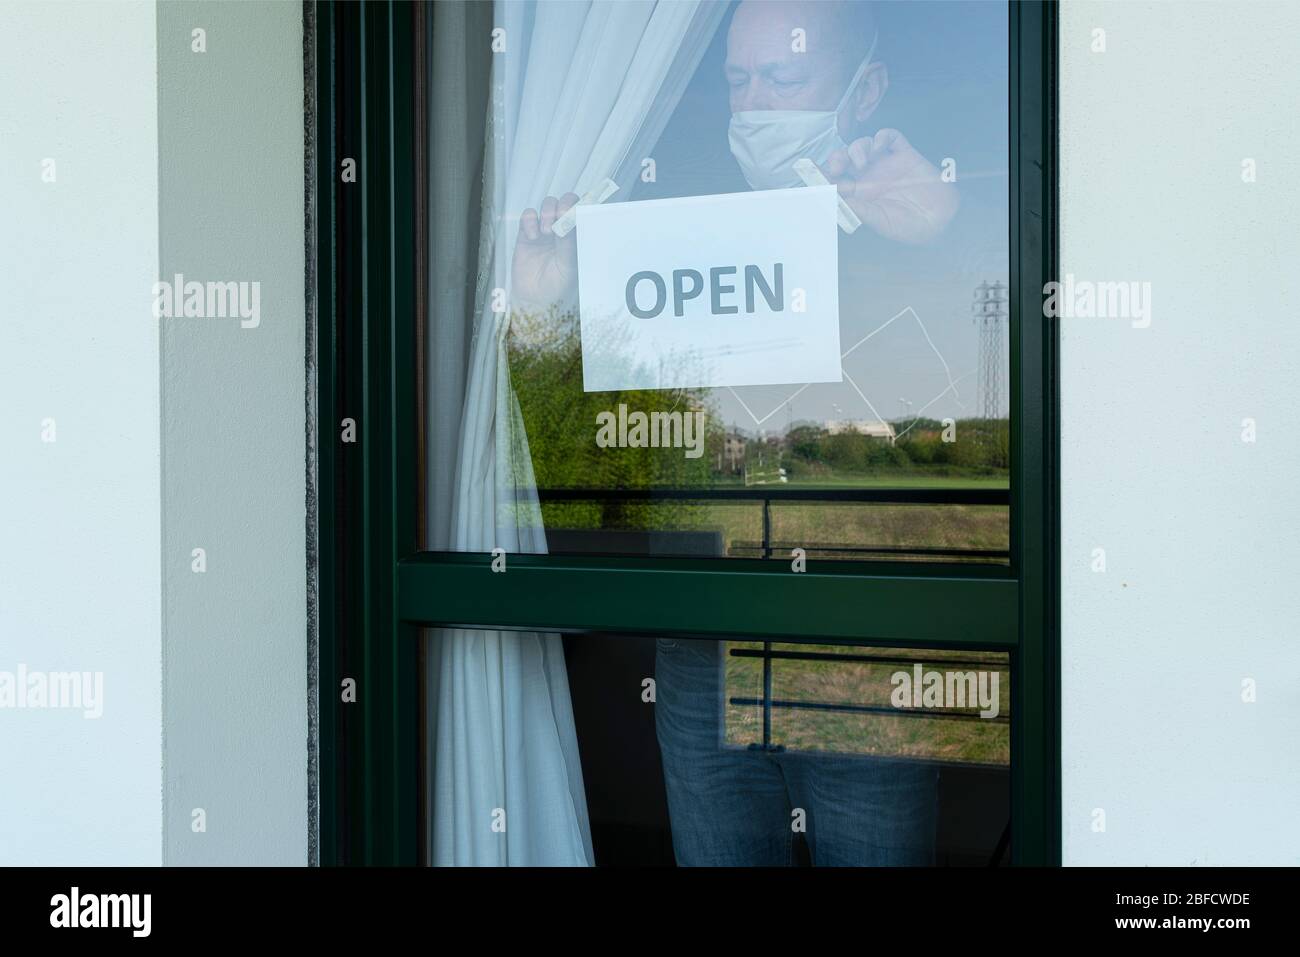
x: 970, y: 740
x: 825, y: 530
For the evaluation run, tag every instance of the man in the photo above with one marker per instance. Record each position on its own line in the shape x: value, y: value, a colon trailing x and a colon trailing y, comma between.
x: 802, y: 82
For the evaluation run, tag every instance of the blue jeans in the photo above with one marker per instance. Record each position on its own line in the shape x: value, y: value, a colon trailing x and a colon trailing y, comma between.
x: 734, y: 807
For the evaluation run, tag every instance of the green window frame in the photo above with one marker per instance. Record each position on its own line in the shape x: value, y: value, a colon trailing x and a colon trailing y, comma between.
x: 377, y: 589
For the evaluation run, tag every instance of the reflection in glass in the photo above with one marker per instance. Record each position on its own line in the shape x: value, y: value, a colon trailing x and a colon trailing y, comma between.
x: 741, y: 753
x: 902, y: 106
x: 535, y: 106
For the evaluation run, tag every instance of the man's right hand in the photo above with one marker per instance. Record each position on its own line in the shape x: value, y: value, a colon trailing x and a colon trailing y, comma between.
x: 893, y: 188
x: 545, y: 267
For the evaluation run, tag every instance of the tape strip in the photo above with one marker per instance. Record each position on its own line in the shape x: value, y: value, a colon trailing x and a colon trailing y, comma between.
x: 812, y: 176
x: 593, y: 197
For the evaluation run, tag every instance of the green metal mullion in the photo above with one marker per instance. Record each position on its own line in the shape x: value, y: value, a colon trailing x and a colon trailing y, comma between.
x: 387, y: 818
x: 342, y: 607
x: 1051, y: 590
x: 1047, y: 580
x: 402, y: 658
x: 373, y: 425
x: 369, y: 762
x: 1035, y: 713
x: 388, y: 704
x: 732, y: 598
x: 369, y: 691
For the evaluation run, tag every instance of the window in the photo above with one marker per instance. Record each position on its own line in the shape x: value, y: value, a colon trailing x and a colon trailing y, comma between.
x: 622, y: 367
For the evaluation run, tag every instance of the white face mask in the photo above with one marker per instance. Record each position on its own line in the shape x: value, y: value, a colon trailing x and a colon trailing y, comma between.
x: 766, y: 143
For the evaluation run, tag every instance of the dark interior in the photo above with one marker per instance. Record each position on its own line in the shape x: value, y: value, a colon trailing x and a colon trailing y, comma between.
x: 624, y: 780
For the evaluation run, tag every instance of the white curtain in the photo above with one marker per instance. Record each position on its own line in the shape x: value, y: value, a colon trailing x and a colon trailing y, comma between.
x: 579, y: 93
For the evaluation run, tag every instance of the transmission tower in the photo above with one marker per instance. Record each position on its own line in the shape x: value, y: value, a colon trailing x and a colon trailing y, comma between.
x: 989, y: 312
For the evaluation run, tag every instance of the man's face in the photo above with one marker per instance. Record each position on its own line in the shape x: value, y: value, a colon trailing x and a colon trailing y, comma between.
x: 765, y: 73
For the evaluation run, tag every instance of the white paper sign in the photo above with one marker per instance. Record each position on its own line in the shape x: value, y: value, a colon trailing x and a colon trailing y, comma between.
x: 737, y: 289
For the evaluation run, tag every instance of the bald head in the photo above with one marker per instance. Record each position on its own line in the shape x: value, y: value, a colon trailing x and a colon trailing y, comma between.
x: 831, y: 27
x: 796, y: 54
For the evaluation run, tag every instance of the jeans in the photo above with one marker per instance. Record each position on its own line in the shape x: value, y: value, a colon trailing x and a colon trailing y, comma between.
x: 734, y: 807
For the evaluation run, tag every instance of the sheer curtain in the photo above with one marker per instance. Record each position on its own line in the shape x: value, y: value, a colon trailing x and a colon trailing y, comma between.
x: 578, y: 92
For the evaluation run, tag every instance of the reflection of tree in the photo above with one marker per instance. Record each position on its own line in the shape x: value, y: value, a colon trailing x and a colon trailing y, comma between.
x: 980, y: 447
x: 980, y: 443
x: 560, y: 419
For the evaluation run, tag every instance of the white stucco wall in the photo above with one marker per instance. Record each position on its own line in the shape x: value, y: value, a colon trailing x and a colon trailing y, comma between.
x: 234, y: 440
x: 79, y: 517
x: 1198, y: 527
x: 166, y: 160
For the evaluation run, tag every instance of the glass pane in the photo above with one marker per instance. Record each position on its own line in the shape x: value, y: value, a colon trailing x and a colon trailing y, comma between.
x: 826, y: 699
x: 650, y: 330
x: 643, y: 751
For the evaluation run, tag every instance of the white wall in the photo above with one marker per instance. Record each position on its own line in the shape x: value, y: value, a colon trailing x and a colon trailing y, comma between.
x: 79, y: 518
x: 192, y: 436
x: 234, y: 440
x: 1198, y: 527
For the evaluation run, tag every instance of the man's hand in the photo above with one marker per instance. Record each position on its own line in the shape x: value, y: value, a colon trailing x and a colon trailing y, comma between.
x: 893, y: 188
x: 545, y: 267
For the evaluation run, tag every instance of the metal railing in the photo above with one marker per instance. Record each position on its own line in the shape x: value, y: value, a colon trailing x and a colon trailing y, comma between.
x: 767, y: 495
x: 780, y: 494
